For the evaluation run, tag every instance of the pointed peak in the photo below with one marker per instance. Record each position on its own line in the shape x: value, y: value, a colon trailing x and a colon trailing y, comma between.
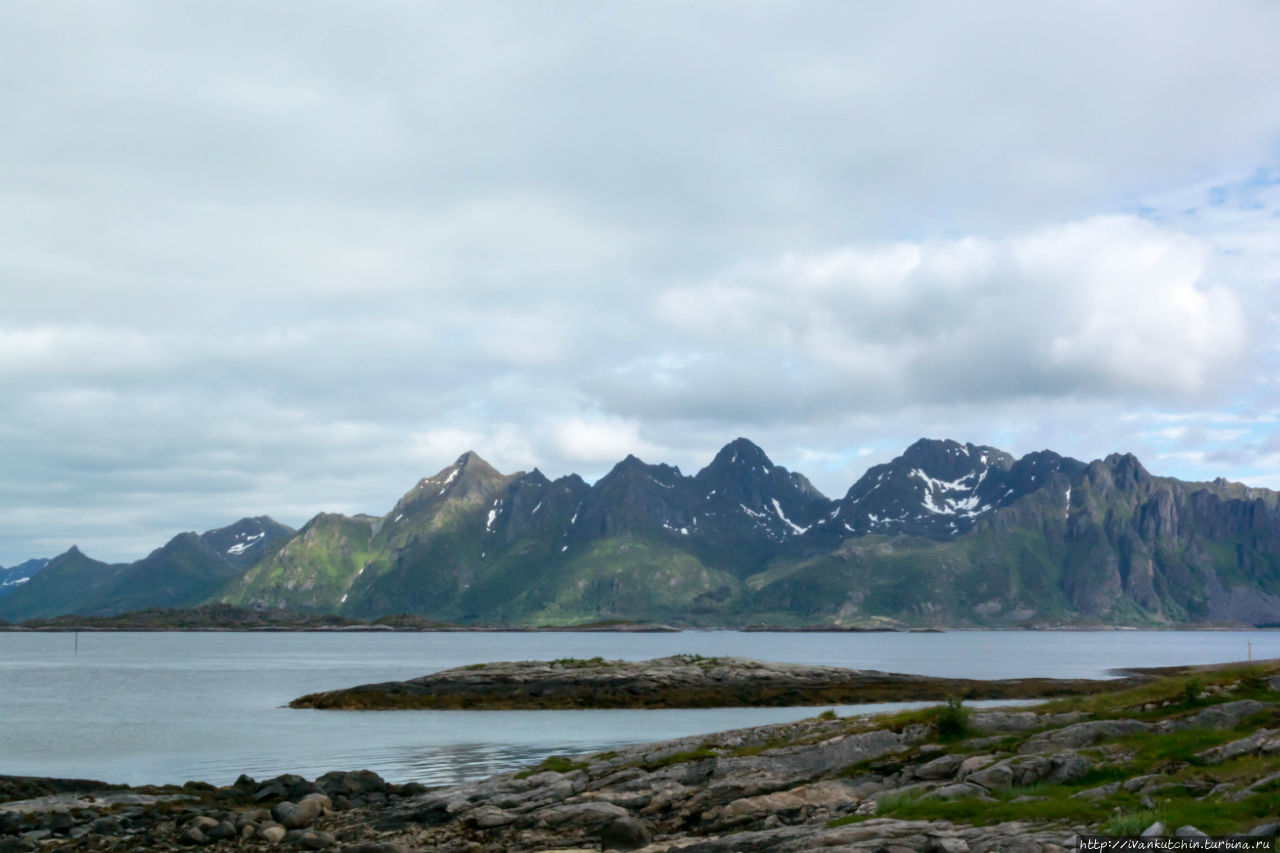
x: 741, y: 451
x: 571, y: 481
x: 536, y: 476
x: 469, y: 463
x: 1127, y: 463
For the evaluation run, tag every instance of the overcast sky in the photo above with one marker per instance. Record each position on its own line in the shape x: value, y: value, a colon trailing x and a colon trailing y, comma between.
x: 278, y: 258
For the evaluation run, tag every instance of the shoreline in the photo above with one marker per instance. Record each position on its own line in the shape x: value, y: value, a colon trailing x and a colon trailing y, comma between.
x: 1190, y: 750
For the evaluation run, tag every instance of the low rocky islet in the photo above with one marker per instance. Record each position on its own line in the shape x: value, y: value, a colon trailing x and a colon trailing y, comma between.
x: 678, y: 681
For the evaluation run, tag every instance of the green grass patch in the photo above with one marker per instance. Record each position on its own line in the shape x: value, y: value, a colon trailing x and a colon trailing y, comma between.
x: 698, y: 754
x: 1153, y: 748
x: 553, y: 764
x: 1131, y: 824
x: 578, y: 663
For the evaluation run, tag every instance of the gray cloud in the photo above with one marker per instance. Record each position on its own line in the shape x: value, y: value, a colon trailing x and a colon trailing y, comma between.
x: 260, y: 258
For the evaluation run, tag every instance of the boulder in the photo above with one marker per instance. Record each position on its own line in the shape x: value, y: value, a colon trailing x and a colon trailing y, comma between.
x: 488, y: 817
x: 1228, y: 715
x: 191, y: 835
x: 1099, y: 793
x: 1024, y: 770
x: 960, y: 790
x: 107, y: 826
x: 60, y: 822
x: 311, y: 839
x: 947, y: 844
x: 272, y: 832
x: 358, y: 782
x: 1082, y: 734
x: 944, y: 767
x: 201, y: 822
x: 296, y: 815
x: 1263, y: 741
x: 625, y: 833
x: 589, y: 817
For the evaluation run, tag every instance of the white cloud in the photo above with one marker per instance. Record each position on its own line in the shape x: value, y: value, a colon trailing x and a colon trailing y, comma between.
x: 260, y: 259
x: 1110, y: 307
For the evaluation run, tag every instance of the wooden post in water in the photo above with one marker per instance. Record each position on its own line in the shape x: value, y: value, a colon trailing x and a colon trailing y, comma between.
x: 77, y: 651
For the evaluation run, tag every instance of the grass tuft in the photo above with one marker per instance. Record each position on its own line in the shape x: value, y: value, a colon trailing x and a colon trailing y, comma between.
x: 553, y: 764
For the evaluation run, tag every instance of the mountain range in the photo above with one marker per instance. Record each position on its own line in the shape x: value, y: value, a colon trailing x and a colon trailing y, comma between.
x: 946, y: 534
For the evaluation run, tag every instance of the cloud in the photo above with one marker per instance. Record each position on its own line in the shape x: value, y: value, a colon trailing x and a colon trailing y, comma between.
x: 1110, y: 307
x: 259, y: 259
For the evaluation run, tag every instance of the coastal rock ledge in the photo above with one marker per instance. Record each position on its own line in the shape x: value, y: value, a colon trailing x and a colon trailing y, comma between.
x: 680, y: 681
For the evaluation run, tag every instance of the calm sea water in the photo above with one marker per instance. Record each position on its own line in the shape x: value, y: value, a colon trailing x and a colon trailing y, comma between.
x: 165, y: 708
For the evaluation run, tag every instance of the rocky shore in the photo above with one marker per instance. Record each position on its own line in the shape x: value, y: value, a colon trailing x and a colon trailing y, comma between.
x: 680, y: 681
x: 1182, y: 755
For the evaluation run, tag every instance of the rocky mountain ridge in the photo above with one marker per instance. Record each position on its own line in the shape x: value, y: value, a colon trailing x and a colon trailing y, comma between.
x: 947, y: 534
x: 15, y: 576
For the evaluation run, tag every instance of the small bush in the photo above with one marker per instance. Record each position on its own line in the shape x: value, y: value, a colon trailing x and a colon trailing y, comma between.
x: 952, y: 720
x: 1253, y: 680
x: 829, y: 714
x: 1192, y: 690
x: 1129, y: 824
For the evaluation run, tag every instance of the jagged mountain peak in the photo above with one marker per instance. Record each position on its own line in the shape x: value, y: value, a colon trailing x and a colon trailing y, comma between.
x: 1126, y: 465
x: 741, y: 451
x: 468, y: 476
x: 243, y: 542
x: 633, y: 466
x: 946, y: 456
x: 938, y: 488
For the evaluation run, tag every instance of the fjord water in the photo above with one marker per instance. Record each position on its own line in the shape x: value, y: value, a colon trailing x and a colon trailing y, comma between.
x: 168, y: 707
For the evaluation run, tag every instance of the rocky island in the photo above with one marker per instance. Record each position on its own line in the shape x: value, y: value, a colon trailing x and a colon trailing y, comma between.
x: 679, y: 681
x: 1192, y: 752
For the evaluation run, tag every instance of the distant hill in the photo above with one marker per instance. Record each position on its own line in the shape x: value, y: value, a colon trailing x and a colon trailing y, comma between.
x: 946, y: 534
x: 186, y: 571
x: 12, y: 578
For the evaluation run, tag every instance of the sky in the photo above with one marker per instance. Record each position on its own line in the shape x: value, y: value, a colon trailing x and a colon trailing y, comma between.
x: 289, y: 257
